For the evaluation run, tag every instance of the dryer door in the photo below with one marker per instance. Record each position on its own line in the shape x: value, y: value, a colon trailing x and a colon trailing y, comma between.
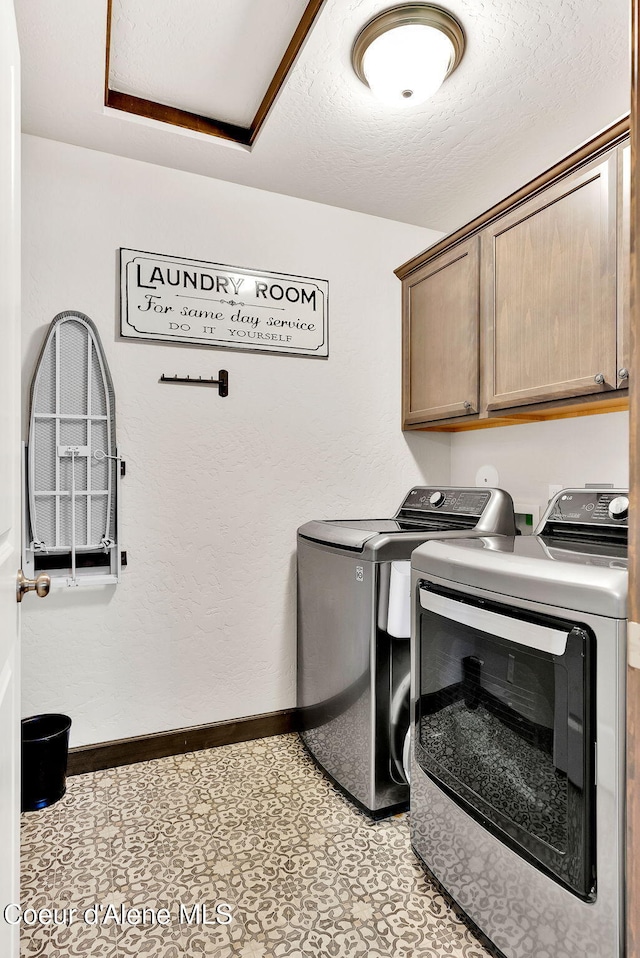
x: 506, y: 726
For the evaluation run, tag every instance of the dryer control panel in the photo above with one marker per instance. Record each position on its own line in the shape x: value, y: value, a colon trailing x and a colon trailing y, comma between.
x: 592, y: 507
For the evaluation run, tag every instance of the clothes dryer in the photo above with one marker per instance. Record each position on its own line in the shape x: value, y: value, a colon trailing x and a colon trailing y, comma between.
x: 518, y: 675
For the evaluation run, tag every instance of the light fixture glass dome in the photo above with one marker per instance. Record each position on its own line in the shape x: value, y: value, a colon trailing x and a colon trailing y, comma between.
x: 407, y: 65
x: 404, y: 54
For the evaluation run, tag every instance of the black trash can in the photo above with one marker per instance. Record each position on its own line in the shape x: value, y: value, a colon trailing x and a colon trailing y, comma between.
x: 45, y: 749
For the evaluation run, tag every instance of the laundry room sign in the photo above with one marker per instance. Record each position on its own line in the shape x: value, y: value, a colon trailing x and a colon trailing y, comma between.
x: 208, y: 304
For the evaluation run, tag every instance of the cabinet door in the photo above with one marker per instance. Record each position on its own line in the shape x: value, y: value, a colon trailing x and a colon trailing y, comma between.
x: 549, y: 292
x: 441, y: 314
x: 624, y: 262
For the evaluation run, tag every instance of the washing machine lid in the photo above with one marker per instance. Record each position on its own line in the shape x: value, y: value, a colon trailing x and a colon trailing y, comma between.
x: 348, y: 534
x: 354, y: 534
x: 572, y: 576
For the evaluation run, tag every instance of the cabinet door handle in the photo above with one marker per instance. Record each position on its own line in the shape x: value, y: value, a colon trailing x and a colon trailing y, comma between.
x: 466, y: 404
x: 623, y: 373
x: 599, y: 379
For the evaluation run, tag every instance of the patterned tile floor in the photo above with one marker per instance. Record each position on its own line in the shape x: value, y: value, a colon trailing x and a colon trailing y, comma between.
x: 255, y: 826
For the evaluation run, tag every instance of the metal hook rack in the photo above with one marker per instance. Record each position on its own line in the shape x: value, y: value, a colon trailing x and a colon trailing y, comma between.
x: 222, y: 382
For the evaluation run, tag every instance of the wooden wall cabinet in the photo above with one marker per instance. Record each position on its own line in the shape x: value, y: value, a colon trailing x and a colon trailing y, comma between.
x: 524, y: 313
x: 441, y: 333
x: 549, y: 293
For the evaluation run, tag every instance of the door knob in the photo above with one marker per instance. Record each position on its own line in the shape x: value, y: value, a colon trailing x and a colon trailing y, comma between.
x: 39, y: 585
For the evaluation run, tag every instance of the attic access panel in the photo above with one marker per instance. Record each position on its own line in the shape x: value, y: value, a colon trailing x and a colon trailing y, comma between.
x: 212, y: 66
x: 72, y: 467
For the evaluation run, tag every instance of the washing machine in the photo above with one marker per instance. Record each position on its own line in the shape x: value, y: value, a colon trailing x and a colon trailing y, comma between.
x: 354, y: 627
x: 518, y: 703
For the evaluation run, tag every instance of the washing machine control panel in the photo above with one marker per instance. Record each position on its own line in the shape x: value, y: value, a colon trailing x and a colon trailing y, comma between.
x: 590, y: 506
x: 468, y: 502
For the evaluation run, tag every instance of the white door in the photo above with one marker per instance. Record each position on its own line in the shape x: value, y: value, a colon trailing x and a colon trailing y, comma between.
x: 9, y: 471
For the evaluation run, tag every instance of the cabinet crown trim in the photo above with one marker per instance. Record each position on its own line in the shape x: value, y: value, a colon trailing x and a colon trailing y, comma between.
x: 588, y: 151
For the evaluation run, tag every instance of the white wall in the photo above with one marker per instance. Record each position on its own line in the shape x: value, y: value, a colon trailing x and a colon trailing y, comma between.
x: 528, y: 458
x: 202, y: 626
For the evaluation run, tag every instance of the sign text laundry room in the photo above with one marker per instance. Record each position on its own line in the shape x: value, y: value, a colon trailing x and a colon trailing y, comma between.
x: 191, y: 301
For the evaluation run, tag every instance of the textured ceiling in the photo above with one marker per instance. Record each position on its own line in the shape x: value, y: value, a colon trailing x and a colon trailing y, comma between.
x: 536, y: 80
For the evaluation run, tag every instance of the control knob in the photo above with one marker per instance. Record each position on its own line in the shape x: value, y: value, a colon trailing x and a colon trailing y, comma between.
x: 436, y: 498
x: 619, y: 507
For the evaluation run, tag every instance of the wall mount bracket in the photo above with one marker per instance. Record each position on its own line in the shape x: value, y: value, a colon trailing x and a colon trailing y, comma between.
x: 222, y: 382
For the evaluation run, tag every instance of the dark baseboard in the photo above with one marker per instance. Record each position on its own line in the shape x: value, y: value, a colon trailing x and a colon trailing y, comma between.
x: 142, y: 748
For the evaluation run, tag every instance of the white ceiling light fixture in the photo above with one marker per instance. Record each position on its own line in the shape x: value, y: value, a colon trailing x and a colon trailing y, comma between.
x: 404, y: 54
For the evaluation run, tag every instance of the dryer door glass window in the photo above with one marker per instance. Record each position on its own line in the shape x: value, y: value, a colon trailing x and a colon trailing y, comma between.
x: 505, y: 726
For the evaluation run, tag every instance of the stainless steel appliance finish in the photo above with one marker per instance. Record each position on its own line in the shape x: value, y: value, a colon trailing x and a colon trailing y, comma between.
x: 353, y: 673
x: 518, y: 684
